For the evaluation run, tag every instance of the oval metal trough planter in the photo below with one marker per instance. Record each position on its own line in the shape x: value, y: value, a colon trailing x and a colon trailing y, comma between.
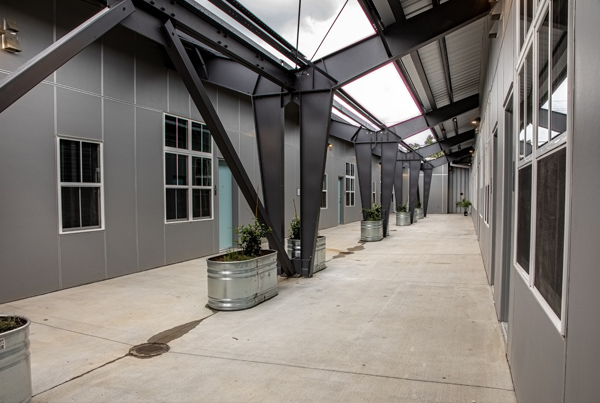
x: 15, y: 364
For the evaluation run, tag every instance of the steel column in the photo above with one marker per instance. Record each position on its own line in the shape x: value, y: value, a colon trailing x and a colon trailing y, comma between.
x: 23, y: 79
x: 415, y: 169
x: 389, y: 154
x: 315, y: 116
x: 398, y: 182
x: 202, y: 101
x: 362, y: 150
x: 268, y: 118
x: 428, y: 175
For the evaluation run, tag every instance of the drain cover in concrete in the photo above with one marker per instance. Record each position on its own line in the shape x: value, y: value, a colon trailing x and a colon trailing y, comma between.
x: 148, y: 350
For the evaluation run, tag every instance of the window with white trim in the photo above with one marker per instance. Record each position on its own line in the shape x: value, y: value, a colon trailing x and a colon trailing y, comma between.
x: 543, y: 149
x: 80, y: 176
x: 350, y: 183
x: 324, y: 193
x: 188, y: 170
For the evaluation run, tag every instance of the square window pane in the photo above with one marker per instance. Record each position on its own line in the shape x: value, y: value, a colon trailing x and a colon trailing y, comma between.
x: 347, y: 169
x: 70, y: 207
x: 543, y: 35
x: 90, y: 162
x: 529, y: 106
x: 182, y: 126
x: 196, y: 171
x: 550, y: 228
x: 171, y: 202
x: 196, y: 136
x: 170, y: 169
x: 352, y: 199
x: 170, y: 131
x: 559, y: 87
x: 90, y: 202
x: 524, y: 218
x: 182, y: 201
x: 206, y: 140
x: 182, y: 167
x: 70, y: 170
x: 323, y: 199
x: 206, y: 203
x: 206, y: 172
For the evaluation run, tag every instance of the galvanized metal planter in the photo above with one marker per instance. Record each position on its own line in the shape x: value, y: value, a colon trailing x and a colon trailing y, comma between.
x: 294, y: 250
x: 371, y: 231
x: 402, y: 218
x: 233, y: 286
x: 419, y: 212
x: 15, y: 365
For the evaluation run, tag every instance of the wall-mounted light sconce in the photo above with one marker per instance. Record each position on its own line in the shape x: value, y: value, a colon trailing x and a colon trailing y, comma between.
x: 10, y: 41
x: 476, y: 121
x: 330, y: 146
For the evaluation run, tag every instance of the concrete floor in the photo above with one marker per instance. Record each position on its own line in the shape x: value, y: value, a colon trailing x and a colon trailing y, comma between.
x: 407, y: 319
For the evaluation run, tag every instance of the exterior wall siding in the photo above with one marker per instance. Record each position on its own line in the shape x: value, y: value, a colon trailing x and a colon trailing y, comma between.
x: 116, y: 92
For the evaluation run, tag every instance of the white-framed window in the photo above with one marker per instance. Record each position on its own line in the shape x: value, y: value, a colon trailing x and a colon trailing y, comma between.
x: 80, y: 185
x: 324, y: 193
x: 543, y: 121
x: 188, y: 170
x: 350, y: 183
x: 373, y: 193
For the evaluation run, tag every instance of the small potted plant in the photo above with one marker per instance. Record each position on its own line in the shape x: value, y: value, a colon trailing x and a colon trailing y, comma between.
x: 371, y: 228
x: 243, y: 278
x: 402, y: 215
x: 419, y: 210
x: 15, y: 364
x: 294, y: 247
x: 464, y: 204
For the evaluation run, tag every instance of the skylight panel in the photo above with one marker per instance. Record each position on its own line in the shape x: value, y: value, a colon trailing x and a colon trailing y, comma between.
x: 420, y: 139
x: 345, y: 118
x: 384, y: 94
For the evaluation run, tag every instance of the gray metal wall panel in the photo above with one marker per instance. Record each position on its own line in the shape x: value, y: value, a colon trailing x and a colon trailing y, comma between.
x: 150, y: 75
x: 119, y: 189
x: 150, y: 186
x: 119, y: 64
x: 246, y: 116
x: 84, y: 70
x: 537, y: 349
x: 189, y: 240
x: 458, y: 182
x: 583, y: 354
x: 179, y: 99
x: 229, y: 109
x: 437, y: 203
x: 82, y: 258
x: 28, y: 205
x: 36, y: 30
x: 78, y: 114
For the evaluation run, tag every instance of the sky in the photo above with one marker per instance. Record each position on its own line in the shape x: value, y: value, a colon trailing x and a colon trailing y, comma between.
x: 382, y: 92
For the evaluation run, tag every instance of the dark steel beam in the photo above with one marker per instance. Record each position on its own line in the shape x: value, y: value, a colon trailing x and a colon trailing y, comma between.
x: 198, y: 93
x: 447, y: 144
x: 343, y: 131
x: 459, y: 154
x: 402, y: 38
x: 398, y: 182
x: 193, y: 20
x: 438, y: 162
x: 232, y: 75
x: 268, y: 120
x: 364, y: 155
x: 435, y: 117
x: 446, y: 64
x: 30, y: 74
x: 315, y: 117
x: 397, y: 10
x: 371, y: 13
x: 415, y: 169
x: 427, y: 176
x: 416, y: 59
x: 389, y: 153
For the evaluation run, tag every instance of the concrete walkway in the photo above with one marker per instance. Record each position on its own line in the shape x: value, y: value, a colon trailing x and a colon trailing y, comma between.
x: 407, y: 319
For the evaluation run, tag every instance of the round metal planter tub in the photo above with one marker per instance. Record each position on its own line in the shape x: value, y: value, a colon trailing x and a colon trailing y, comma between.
x: 237, y: 285
x: 371, y: 231
x: 294, y: 250
x: 15, y: 365
x: 402, y: 218
x: 419, y: 212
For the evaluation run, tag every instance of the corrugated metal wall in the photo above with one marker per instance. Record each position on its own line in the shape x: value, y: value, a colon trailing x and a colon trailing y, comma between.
x: 458, y: 182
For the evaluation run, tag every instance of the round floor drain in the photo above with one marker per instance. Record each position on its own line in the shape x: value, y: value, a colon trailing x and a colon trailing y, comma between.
x: 148, y: 350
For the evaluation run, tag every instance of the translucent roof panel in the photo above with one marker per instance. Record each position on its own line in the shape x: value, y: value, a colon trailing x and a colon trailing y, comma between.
x: 421, y: 139
x: 316, y: 18
x: 384, y: 94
